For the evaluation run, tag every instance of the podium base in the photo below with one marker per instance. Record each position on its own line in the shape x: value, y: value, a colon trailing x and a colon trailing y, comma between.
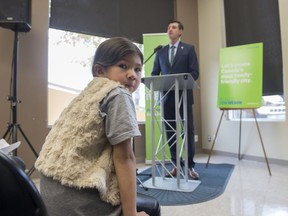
x: 171, y: 184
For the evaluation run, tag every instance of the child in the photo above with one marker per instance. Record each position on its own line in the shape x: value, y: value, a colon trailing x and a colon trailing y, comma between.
x: 87, y: 164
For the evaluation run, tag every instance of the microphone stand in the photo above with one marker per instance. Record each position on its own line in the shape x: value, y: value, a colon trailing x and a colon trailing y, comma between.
x: 155, y: 50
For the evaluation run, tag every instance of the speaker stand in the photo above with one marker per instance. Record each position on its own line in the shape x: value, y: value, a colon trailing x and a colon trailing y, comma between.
x: 13, y: 126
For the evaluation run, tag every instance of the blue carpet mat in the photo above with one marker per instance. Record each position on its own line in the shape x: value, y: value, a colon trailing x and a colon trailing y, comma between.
x: 214, y: 179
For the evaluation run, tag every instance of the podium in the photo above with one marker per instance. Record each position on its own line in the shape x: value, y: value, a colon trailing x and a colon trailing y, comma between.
x: 168, y: 83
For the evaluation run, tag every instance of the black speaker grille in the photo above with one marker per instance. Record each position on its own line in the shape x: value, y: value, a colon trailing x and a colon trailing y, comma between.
x: 15, y: 15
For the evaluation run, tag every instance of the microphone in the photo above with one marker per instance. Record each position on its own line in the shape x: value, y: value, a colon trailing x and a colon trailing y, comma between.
x: 155, y: 50
x: 158, y: 48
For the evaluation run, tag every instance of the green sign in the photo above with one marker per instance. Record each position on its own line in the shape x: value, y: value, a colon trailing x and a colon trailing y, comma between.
x: 240, y: 77
x: 151, y: 41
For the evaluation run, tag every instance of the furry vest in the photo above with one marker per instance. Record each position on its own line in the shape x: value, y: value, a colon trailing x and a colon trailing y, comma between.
x: 76, y: 152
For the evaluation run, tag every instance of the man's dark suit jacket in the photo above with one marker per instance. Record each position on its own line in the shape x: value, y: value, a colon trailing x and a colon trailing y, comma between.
x: 185, y: 61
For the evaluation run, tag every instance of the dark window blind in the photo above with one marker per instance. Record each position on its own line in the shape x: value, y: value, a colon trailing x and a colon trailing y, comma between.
x: 110, y: 18
x: 253, y: 21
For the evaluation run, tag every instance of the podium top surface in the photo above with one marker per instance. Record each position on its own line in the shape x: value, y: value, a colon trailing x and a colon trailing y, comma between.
x: 164, y: 82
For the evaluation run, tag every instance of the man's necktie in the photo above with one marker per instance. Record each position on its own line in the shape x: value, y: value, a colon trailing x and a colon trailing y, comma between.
x: 172, y: 54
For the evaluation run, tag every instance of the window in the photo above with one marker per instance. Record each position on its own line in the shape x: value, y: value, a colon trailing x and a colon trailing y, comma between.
x: 69, y: 53
x: 258, y: 21
x: 272, y: 109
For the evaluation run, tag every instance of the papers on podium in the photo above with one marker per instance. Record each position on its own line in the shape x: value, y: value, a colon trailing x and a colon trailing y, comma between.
x: 7, y: 148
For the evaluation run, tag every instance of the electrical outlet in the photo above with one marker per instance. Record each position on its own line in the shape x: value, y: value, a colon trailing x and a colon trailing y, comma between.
x: 209, y: 138
x: 196, y: 138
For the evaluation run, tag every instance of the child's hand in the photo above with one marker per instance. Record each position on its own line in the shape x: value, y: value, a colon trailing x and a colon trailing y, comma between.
x: 142, y: 213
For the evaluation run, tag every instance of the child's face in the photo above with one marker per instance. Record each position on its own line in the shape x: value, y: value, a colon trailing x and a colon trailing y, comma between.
x: 127, y: 71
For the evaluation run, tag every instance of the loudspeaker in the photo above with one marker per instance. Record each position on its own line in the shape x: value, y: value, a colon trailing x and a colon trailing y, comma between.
x: 15, y: 15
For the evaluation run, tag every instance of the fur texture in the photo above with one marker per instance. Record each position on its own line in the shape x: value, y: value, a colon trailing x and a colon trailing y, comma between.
x: 76, y: 152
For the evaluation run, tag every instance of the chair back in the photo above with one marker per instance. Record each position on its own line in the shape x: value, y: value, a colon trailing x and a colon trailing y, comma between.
x: 18, y: 194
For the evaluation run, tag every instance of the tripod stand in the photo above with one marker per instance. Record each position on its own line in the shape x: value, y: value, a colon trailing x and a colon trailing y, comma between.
x: 13, y: 126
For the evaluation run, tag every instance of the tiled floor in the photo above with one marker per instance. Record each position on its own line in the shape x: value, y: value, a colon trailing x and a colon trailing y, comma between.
x: 251, y: 191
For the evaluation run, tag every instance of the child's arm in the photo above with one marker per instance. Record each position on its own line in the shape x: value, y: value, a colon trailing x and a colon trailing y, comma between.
x: 125, y: 166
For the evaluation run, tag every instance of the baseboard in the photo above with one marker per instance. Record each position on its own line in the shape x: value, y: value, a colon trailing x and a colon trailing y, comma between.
x: 247, y: 157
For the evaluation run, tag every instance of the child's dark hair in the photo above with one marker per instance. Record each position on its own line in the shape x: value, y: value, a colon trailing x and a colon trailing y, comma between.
x: 113, y: 50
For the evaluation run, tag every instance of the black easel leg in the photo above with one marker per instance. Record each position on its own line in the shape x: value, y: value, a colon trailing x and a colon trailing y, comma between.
x: 31, y: 147
x: 28, y: 142
x: 7, y: 131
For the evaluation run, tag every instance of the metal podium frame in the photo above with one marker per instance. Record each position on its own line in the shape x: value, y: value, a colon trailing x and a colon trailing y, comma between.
x: 167, y: 83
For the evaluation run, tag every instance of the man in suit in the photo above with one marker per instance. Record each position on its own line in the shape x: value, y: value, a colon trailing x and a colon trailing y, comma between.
x: 178, y: 57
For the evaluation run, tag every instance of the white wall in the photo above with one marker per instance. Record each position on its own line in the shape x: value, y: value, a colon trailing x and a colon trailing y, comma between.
x: 211, y: 39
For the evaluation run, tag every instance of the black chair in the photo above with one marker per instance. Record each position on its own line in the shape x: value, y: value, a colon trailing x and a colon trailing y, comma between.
x: 144, y: 202
x: 18, y: 194
x: 148, y: 204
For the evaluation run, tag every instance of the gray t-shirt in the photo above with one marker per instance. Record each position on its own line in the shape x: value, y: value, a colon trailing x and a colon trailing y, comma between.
x: 119, y: 112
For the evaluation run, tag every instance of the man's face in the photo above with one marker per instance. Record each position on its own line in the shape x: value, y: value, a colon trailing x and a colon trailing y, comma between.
x: 173, y: 31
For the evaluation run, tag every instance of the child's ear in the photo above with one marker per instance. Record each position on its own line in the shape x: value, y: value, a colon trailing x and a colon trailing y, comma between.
x: 98, y: 70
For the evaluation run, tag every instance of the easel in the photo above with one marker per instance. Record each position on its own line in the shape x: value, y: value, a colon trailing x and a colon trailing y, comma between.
x: 253, y: 110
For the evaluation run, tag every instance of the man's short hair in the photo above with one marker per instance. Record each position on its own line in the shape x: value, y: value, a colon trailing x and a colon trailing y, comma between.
x: 180, y: 25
